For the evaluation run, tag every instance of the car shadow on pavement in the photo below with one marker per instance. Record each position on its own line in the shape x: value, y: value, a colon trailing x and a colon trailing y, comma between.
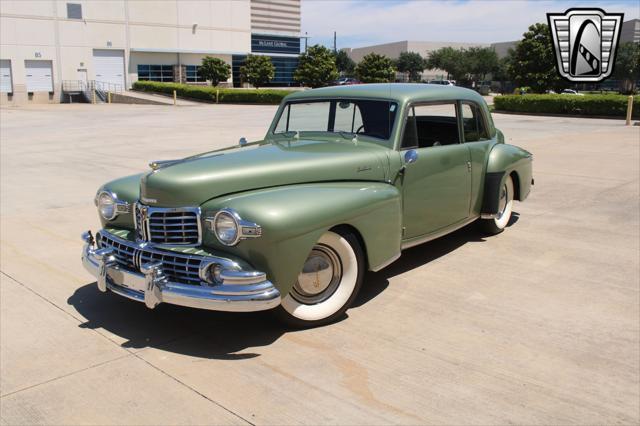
x: 225, y: 335
x: 376, y: 282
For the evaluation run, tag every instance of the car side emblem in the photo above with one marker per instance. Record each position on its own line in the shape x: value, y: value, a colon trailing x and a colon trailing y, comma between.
x: 585, y: 43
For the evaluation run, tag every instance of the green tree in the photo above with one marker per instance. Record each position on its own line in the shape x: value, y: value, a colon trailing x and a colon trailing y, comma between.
x: 257, y: 70
x: 481, y: 61
x: 412, y: 64
x: 501, y: 73
x: 375, y: 68
x: 316, y: 67
x: 453, y: 61
x: 532, y: 63
x: 627, y: 66
x: 344, y: 63
x: 214, y: 70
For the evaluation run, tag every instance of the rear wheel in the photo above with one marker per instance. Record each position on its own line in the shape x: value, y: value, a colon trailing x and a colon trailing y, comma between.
x: 328, y: 283
x: 505, y: 204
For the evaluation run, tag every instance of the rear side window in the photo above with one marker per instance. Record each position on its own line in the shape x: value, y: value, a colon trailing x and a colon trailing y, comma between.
x: 473, y: 123
x: 431, y: 126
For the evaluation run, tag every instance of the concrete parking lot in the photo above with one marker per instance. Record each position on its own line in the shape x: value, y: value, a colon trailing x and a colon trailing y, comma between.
x: 538, y: 325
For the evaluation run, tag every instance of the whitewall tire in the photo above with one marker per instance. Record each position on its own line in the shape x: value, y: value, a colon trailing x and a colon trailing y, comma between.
x: 328, y: 283
x: 505, y: 208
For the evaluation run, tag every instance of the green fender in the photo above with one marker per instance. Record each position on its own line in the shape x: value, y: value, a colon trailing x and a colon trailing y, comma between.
x: 506, y: 160
x: 294, y: 217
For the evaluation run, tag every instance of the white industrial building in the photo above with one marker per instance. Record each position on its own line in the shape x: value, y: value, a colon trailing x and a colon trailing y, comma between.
x: 117, y: 42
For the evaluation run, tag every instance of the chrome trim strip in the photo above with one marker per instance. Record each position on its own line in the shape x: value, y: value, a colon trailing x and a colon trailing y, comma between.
x: 242, y: 277
x: 488, y: 215
x: 424, y: 238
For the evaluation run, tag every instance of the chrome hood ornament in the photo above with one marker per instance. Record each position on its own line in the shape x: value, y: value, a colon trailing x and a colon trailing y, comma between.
x: 160, y: 164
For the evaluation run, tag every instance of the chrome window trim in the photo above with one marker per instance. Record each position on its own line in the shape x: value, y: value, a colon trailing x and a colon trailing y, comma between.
x: 146, y: 231
x: 482, y: 117
x: 283, y: 106
x: 408, y: 107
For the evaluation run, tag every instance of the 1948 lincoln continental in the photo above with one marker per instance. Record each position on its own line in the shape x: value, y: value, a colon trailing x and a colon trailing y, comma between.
x: 344, y: 180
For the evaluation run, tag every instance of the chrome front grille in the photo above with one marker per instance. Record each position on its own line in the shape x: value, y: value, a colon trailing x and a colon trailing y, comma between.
x: 178, y: 267
x: 168, y: 226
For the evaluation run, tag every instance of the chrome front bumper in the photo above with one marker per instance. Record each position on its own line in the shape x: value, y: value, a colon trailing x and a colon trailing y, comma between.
x: 240, y: 290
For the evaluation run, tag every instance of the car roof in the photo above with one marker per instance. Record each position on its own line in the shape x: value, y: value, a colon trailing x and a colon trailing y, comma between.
x: 400, y: 92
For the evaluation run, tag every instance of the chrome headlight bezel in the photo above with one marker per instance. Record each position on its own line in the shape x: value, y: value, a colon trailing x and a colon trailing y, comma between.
x: 119, y: 206
x: 243, y: 229
x: 226, y: 215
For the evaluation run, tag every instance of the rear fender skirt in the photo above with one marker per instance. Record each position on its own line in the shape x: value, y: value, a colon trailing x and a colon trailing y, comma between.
x: 491, y: 198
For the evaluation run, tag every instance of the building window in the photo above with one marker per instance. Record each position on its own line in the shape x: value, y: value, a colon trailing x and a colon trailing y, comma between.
x: 74, y: 11
x: 285, y: 68
x: 163, y: 73
x: 193, y: 74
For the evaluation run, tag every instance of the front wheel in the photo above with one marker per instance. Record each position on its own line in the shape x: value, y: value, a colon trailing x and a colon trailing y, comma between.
x: 505, y: 204
x: 328, y: 283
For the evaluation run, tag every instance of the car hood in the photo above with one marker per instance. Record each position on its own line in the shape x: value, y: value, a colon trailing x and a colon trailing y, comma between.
x: 194, y: 180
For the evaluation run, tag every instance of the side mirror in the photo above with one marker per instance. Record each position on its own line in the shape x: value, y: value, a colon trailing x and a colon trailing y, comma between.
x: 242, y: 141
x: 410, y: 156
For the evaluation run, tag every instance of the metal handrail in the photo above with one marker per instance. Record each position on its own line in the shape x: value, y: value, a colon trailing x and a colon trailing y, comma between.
x: 94, y: 91
x: 105, y: 87
x: 73, y: 86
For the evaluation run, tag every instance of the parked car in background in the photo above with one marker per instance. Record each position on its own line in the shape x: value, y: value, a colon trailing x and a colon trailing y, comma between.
x: 442, y: 82
x: 571, y: 92
x: 346, y: 81
x: 345, y: 179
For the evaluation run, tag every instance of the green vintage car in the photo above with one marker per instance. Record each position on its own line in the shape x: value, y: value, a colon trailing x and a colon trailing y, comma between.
x: 344, y: 180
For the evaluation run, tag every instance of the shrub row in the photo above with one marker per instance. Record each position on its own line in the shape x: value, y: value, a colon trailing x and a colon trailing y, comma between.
x: 208, y: 93
x: 592, y: 105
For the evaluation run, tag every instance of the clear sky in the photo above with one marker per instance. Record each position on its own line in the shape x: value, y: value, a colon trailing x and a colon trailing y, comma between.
x: 366, y: 22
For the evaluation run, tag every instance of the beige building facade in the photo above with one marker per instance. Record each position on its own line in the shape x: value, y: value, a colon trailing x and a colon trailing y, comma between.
x: 424, y: 48
x: 117, y: 42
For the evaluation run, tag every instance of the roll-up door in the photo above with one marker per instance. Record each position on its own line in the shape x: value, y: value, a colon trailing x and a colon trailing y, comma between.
x: 6, y: 84
x: 109, y: 66
x: 39, y: 76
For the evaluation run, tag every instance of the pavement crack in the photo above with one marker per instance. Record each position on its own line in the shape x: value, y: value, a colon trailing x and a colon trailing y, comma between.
x: 41, y: 296
x: 129, y: 353
x: 193, y: 389
x: 65, y: 375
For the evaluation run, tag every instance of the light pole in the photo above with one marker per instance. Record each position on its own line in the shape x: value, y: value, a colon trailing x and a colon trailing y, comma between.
x: 306, y: 38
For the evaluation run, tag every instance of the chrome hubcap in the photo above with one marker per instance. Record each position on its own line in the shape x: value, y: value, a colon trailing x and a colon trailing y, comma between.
x: 502, y: 206
x: 320, y: 276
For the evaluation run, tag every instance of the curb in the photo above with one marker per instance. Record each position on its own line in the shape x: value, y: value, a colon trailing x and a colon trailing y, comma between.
x: 543, y: 114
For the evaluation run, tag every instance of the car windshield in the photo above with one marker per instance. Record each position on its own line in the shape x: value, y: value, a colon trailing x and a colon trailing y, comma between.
x: 351, y: 116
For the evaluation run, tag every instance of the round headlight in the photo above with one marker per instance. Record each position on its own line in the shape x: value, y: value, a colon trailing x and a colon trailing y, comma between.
x: 226, y: 228
x: 107, y: 205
